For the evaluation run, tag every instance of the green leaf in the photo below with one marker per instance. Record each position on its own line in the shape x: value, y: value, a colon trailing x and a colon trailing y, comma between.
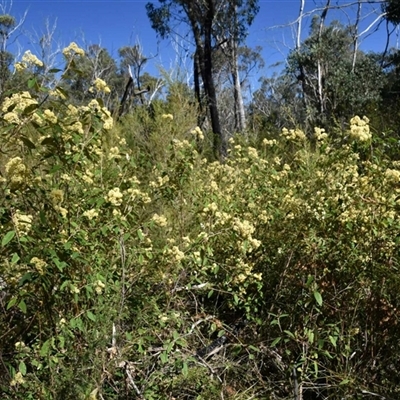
x: 91, y: 316
x: 185, y: 369
x: 7, y: 238
x: 27, y: 142
x: 290, y: 334
x: 318, y: 298
x: 22, y: 306
x: 28, y: 277
x: 48, y: 141
x: 15, y: 258
x: 44, y: 351
x: 333, y: 340
x: 11, y: 303
x: 31, y: 83
x: 22, y: 368
x: 276, y: 341
x: 164, y: 357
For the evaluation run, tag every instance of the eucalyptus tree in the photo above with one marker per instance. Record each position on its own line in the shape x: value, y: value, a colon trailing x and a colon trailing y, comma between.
x: 334, y: 85
x: 212, y: 23
x: 9, y: 26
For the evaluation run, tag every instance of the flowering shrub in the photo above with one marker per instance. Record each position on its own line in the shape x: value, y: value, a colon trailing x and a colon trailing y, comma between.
x: 120, y: 251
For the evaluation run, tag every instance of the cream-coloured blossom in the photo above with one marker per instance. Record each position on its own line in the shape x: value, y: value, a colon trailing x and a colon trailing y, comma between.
x: 91, y: 214
x: 253, y: 154
x: 73, y: 289
x: 50, y: 116
x: 63, y: 211
x: 18, y: 102
x: 320, y: 134
x: 99, y: 286
x: 94, y: 105
x: 21, y: 347
x: 100, y: 86
x: 160, y: 220
x: 167, y: 116
x: 20, y: 66
x: 17, y: 380
x: 72, y: 110
x: 29, y: 58
x: 12, y: 118
x: 108, y: 124
x: 66, y: 177
x: 76, y: 127
x: 243, y: 227
x: 114, y: 153
x: 359, y: 129
x: 39, y: 264
x: 56, y: 196
x: 197, y: 133
x: 212, y: 207
x: 22, y: 222
x: 392, y: 175
x: 176, y: 254
x: 114, y: 196
x: 16, y: 172
x: 73, y: 49
x: 269, y: 143
x: 294, y: 135
x: 57, y: 92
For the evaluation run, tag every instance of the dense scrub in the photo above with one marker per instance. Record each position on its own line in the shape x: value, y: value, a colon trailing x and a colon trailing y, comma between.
x: 125, y: 250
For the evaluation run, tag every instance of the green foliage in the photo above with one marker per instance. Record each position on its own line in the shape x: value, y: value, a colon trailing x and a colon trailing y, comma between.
x: 125, y: 250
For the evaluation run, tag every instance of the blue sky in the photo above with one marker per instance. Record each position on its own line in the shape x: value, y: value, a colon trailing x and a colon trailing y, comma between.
x: 117, y: 23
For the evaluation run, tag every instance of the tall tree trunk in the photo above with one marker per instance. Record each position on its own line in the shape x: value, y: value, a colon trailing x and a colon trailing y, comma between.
x: 196, y: 78
x: 205, y: 54
x: 240, y: 116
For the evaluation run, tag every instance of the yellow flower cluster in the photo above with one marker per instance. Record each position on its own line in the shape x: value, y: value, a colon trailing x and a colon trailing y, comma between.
x: 73, y: 49
x: 91, y: 214
x: 57, y: 197
x: 15, y: 105
x: 252, y: 152
x: 176, y: 254
x: 22, y: 223
x: 28, y: 59
x: 167, y: 116
x: 114, y: 196
x: 114, y: 153
x: 319, y: 134
x: 359, y: 129
x: 294, y: 135
x: 16, y: 172
x: 159, y: 220
x: 50, y: 116
x: 197, y: 133
x: 106, y: 117
x: 269, y: 143
x: 17, y: 380
x: 159, y: 182
x: 136, y: 194
x: 39, y: 264
x: 99, y: 286
x: 392, y: 175
x: 100, y: 86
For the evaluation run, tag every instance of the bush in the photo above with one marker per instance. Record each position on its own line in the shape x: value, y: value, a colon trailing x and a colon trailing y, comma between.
x: 125, y: 250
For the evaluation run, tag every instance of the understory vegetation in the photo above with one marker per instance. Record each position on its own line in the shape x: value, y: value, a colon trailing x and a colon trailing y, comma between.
x: 126, y: 248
